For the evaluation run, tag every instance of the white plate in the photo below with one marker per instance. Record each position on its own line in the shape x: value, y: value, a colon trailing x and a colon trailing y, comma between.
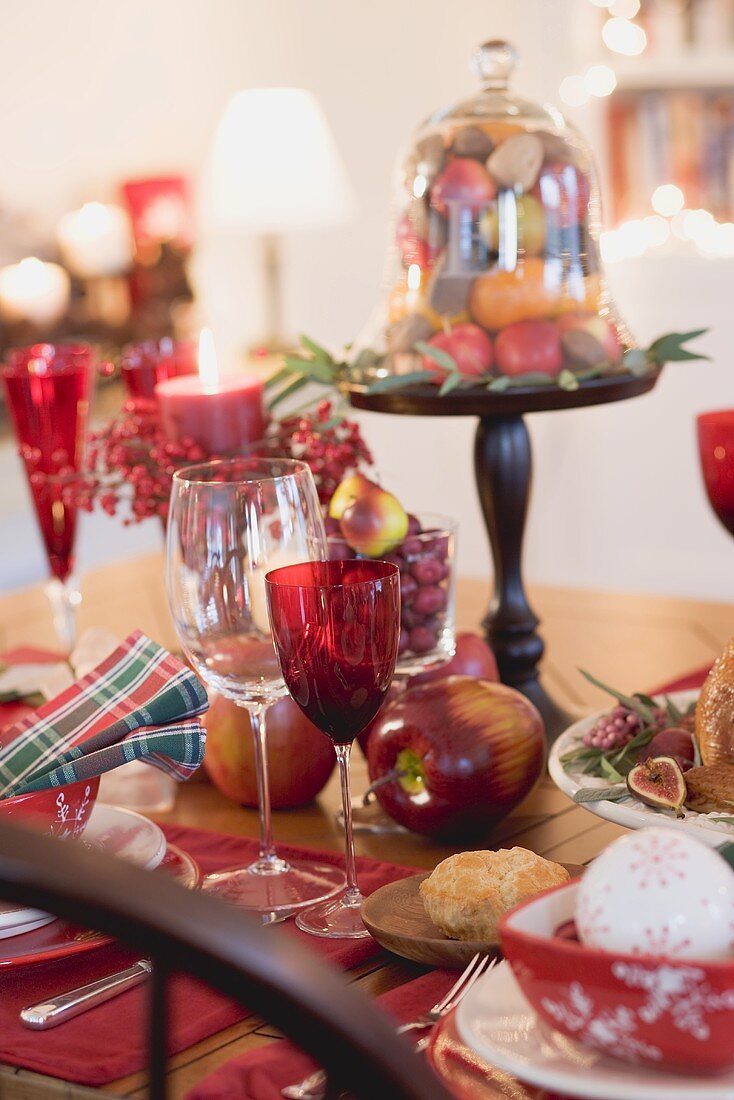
x: 631, y: 813
x: 496, y: 1021
x: 34, y: 918
x: 118, y: 832
x: 125, y: 834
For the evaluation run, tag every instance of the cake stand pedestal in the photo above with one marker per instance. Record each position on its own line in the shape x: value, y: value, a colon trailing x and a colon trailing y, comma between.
x: 503, y: 471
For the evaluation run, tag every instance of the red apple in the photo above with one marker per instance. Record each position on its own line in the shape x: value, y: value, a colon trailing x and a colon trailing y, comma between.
x: 473, y: 657
x: 469, y: 347
x: 300, y: 757
x: 602, y: 330
x: 464, y: 181
x: 529, y: 346
x: 375, y: 523
x: 469, y: 752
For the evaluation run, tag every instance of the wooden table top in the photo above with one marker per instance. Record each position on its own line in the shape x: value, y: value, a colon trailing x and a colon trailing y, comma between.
x: 631, y: 641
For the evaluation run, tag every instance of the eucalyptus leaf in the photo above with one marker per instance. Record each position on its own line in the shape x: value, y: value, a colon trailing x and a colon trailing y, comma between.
x: 282, y: 375
x: 669, y: 348
x: 398, y: 381
x: 499, y: 385
x: 626, y: 700
x: 316, y: 350
x: 674, y: 714
x: 609, y: 771
x: 568, y: 381
x: 636, y: 361
x: 600, y: 794
x: 438, y: 355
x: 726, y: 851
x: 298, y: 383
x: 450, y: 382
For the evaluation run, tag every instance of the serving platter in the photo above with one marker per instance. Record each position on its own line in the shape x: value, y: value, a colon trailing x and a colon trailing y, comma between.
x: 396, y: 917
x: 632, y: 813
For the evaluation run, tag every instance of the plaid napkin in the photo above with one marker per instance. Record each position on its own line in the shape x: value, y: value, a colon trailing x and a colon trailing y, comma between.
x: 140, y: 703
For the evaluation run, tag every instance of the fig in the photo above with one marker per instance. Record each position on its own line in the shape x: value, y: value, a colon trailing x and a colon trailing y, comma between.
x: 673, y: 741
x: 658, y: 782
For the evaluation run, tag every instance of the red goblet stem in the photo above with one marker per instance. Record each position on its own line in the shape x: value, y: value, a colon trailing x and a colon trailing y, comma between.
x: 352, y: 895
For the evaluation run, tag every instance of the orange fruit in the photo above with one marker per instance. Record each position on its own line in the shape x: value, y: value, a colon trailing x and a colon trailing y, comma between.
x: 501, y: 298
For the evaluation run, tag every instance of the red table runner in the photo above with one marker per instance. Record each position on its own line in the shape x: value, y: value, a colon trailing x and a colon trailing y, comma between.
x: 109, y: 1042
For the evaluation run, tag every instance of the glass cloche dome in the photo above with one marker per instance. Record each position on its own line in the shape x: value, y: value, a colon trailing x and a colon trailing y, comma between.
x: 494, y: 255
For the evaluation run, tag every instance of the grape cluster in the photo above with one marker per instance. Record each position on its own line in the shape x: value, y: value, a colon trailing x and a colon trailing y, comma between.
x: 613, y: 730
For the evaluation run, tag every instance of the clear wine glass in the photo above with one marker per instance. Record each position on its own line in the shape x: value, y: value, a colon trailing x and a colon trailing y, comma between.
x: 230, y: 522
x: 336, y: 626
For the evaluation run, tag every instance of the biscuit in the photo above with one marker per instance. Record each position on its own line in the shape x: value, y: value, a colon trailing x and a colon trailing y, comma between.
x: 466, y: 894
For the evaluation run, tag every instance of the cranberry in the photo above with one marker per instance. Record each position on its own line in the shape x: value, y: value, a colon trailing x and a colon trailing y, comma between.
x: 404, y: 642
x: 409, y: 619
x: 414, y: 526
x: 430, y: 600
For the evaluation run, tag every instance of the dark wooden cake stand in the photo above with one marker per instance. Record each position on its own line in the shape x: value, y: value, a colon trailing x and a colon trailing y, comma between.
x: 503, y: 470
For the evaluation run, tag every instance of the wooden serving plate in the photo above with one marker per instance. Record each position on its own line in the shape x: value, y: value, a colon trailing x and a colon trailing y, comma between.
x: 394, y: 915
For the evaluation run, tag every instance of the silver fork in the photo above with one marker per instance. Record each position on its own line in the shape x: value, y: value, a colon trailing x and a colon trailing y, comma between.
x: 312, y: 1087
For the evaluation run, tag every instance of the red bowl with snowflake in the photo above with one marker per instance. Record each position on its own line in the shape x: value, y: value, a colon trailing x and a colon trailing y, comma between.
x: 57, y: 811
x: 672, y: 1013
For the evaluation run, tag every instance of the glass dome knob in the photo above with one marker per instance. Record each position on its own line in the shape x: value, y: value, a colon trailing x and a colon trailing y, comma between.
x: 494, y: 62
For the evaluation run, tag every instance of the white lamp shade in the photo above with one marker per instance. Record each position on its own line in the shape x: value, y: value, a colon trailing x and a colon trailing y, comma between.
x: 274, y: 165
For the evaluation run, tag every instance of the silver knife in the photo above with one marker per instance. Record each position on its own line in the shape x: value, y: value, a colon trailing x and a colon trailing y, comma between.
x: 56, y: 1010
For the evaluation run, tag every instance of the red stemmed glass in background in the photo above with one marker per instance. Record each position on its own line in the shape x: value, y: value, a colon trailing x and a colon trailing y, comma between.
x: 47, y: 389
x: 716, y: 451
x: 336, y: 627
x: 145, y: 364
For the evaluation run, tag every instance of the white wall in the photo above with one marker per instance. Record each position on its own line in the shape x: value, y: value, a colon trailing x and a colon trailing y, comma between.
x: 96, y: 90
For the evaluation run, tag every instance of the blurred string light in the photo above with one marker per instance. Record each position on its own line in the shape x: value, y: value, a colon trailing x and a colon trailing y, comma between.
x: 624, y: 9
x: 667, y: 199
x: 623, y: 36
x: 598, y: 80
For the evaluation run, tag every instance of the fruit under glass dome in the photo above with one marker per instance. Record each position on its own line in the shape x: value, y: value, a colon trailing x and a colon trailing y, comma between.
x: 495, y: 256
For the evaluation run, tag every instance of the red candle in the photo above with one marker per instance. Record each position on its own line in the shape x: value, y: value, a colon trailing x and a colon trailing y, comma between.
x: 221, y: 414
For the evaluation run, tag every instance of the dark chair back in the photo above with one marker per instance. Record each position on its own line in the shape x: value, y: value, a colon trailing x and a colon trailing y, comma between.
x: 189, y: 931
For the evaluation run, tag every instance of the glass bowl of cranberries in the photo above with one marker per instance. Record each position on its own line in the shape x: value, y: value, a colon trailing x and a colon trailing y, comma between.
x: 426, y: 560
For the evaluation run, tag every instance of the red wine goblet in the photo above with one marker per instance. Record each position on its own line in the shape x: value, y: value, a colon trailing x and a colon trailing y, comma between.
x: 47, y: 388
x: 336, y: 626
x: 716, y: 451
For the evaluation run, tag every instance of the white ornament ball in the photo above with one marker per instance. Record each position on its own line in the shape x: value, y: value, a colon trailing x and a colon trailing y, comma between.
x: 658, y: 891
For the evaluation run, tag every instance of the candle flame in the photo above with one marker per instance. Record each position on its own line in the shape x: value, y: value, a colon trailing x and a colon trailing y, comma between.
x: 208, y: 367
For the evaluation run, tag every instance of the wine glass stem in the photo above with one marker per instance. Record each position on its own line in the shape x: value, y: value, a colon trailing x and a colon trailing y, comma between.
x: 352, y: 895
x: 267, y: 848
x: 64, y: 598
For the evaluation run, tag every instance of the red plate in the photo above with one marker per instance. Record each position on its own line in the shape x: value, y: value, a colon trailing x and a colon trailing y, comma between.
x: 468, y: 1076
x: 59, y: 939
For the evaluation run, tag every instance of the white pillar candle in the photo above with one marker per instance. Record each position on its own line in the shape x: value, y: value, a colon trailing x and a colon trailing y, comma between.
x: 96, y: 240
x: 34, y: 292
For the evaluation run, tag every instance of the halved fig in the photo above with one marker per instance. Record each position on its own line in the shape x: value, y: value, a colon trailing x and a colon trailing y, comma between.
x: 658, y: 782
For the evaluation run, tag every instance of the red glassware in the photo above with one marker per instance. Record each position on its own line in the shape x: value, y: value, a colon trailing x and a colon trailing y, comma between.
x: 716, y: 451
x: 336, y: 626
x: 47, y: 390
x: 145, y: 364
